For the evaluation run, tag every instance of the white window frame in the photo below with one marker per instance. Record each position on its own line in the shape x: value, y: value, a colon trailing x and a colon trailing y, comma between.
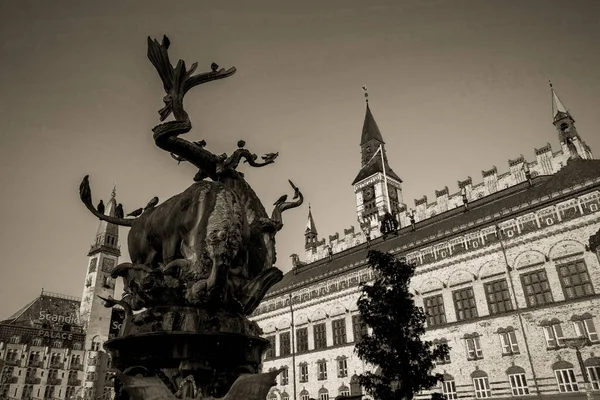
x: 554, y: 335
x: 284, y: 377
x: 518, y: 384
x: 322, y: 370
x: 449, y: 390
x: 474, y: 351
x: 509, y: 342
x: 303, y: 373
x: 568, y: 385
x: 324, y: 396
x: 594, y: 375
x: 586, y: 328
x: 304, y: 397
x: 342, y: 365
x: 482, y: 387
x: 344, y: 393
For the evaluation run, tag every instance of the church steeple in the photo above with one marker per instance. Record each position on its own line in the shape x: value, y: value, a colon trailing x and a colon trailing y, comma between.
x: 311, y: 235
x: 568, y: 136
x: 373, y: 196
x: 107, y: 235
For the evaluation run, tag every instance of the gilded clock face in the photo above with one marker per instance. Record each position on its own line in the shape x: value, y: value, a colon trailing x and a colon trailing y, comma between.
x: 368, y: 193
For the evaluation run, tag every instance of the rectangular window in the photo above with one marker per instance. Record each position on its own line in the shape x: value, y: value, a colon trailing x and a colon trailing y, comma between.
x: 509, y: 343
x: 536, y: 288
x: 474, y: 351
x: 284, y: 377
x: 566, y: 380
x: 270, y: 353
x: 339, y: 331
x: 575, y: 280
x: 342, y: 367
x: 464, y: 302
x: 554, y: 336
x: 434, y: 309
x: 323, y: 396
x: 482, y: 387
x: 518, y: 384
x: 498, y: 297
x: 322, y: 370
x: 302, y: 340
x: 449, y: 389
x: 320, y: 336
x: 284, y: 344
x: 594, y: 375
x: 303, y: 373
x: 304, y: 397
x: 586, y: 328
x: 359, y: 328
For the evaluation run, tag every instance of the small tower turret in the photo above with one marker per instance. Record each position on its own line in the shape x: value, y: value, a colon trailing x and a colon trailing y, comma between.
x: 311, y: 235
x: 570, y: 141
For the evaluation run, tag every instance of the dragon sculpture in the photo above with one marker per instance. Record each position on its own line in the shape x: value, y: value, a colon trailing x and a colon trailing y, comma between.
x: 202, y: 260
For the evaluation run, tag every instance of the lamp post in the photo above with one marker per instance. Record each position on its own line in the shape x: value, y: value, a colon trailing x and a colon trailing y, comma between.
x: 577, y: 343
x: 292, y: 347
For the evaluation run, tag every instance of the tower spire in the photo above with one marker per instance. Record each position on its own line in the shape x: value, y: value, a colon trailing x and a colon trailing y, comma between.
x: 310, y: 224
x: 557, y: 106
x: 107, y: 235
x: 311, y: 237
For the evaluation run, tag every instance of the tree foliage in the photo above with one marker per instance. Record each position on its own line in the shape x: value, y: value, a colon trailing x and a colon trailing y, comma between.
x: 405, y: 362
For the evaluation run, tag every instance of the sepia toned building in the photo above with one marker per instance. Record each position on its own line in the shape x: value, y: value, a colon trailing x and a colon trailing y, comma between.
x: 52, y: 347
x: 505, y: 270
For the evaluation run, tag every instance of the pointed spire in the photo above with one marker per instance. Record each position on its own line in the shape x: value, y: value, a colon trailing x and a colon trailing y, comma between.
x: 114, y: 191
x: 557, y: 105
x: 370, y: 129
x: 310, y: 224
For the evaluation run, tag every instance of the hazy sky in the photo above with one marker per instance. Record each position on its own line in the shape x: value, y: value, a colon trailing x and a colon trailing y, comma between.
x: 455, y: 86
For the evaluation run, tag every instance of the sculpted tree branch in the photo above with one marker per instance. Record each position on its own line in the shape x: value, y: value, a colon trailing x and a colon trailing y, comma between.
x: 85, y: 193
x: 281, y: 205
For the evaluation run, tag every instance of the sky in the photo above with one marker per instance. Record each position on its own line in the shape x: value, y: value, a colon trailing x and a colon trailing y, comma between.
x: 455, y: 87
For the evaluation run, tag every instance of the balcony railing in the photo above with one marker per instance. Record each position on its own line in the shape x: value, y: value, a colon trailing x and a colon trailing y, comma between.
x: 74, y: 382
x: 57, y: 365
x: 54, y: 381
x: 77, y: 367
x: 35, y: 364
x: 13, y: 363
x: 32, y: 380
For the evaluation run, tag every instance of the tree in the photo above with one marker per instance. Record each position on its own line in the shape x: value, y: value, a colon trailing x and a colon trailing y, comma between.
x: 404, y: 361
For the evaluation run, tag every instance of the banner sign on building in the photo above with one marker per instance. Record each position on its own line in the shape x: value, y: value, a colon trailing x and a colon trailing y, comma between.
x: 116, y: 322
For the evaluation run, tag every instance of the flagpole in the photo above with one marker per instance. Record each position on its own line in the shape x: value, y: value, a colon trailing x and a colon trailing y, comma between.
x: 387, y: 195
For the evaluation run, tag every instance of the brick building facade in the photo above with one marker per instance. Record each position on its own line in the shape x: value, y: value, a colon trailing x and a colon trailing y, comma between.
x: 505, y: 272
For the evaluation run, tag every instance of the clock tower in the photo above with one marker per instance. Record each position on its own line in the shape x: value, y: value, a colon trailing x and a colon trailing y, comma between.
x: 377, y: 187
x: 95, y: 318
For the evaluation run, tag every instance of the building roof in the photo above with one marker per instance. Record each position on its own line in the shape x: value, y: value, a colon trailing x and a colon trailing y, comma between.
x: 47, y: 303
x: 575, y: 172
x: 370, y: 129
x: 374, y: 167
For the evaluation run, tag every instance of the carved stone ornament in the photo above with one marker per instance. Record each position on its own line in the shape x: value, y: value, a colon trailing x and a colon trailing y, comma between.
x: 201, y: 262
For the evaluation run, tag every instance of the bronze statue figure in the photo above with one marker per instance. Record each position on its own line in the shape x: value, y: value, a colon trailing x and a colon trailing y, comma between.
x: 201, y: 261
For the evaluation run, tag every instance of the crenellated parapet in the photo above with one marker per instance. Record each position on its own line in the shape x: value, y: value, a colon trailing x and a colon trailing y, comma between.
x: 546, y: 162
x: 336, y: 243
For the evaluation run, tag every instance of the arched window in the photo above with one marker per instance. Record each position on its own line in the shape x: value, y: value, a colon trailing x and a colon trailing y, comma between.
x: 449, y: 387
x: 481, y: 384
x: 96, y: 343
x: 518, y: 381
x: 565, y: 377
x: 77, y: 346
x: 15, y: 339
x: 592, y: 366
x: 344, y: 390
x: 323, y: 394
x: 285, y: 396
x: 304, y: 395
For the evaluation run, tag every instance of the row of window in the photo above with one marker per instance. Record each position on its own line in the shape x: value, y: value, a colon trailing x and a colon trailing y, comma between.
x: 565, y: 379
x: 36, y: 359
x: 50, y: 392
x: 574, y: 279
x: 359, y: 329
x: 553, y: 334
x: 38, y: 341
x: 321, y: 371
